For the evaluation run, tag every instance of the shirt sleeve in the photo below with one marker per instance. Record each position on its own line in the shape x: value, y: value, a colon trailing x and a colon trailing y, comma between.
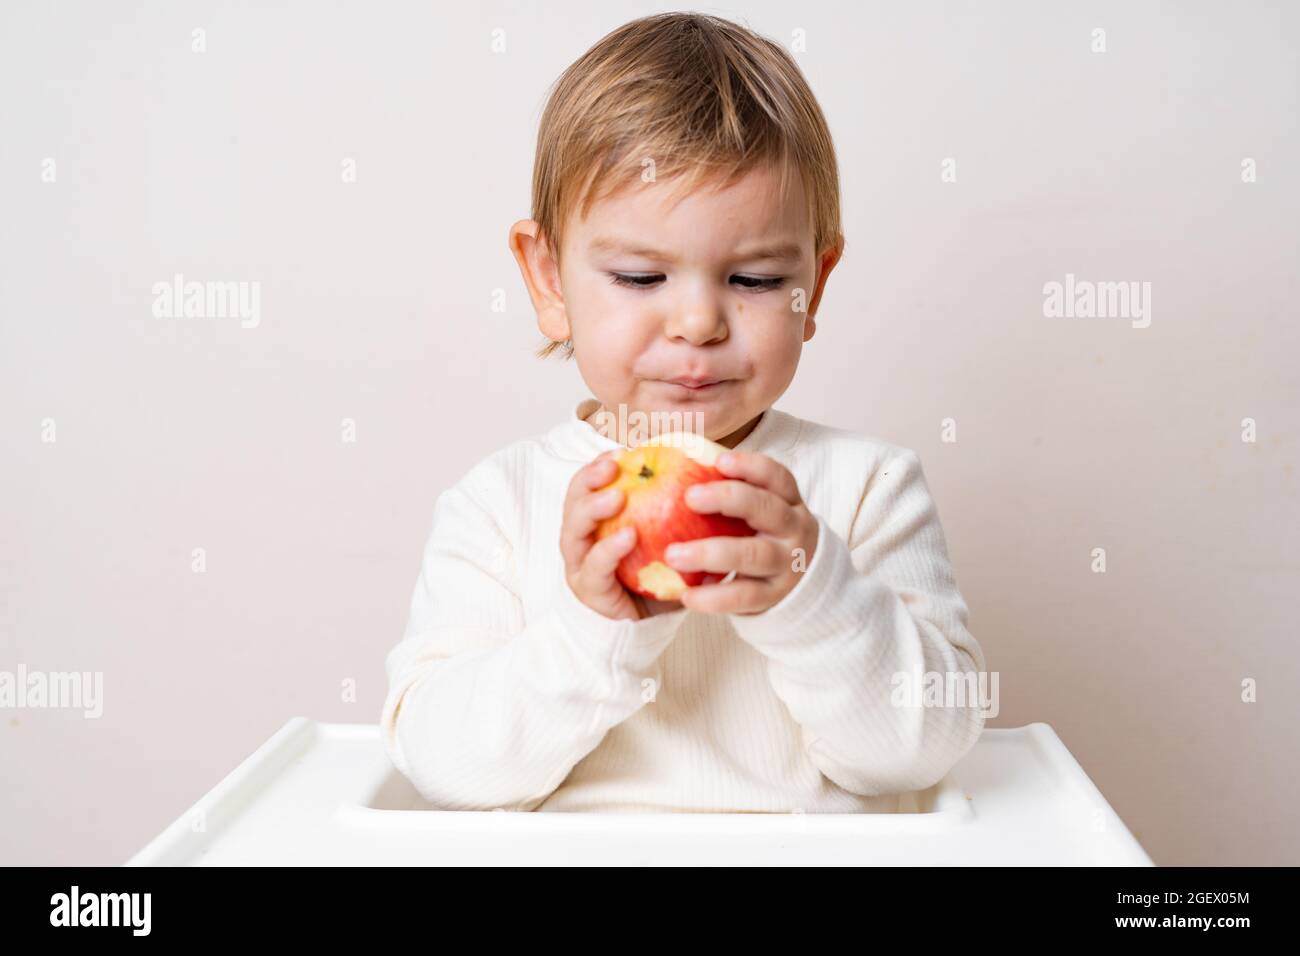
x: 488, y: 710
x: 870, y: 651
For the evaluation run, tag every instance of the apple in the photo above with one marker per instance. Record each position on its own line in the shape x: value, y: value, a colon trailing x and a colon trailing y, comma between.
x: 654, y: 477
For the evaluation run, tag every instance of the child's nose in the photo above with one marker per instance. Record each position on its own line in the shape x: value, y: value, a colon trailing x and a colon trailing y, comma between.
x: 699, y: 321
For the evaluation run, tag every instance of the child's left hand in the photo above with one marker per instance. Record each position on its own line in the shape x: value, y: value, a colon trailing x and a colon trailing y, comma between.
x: 767, y: 497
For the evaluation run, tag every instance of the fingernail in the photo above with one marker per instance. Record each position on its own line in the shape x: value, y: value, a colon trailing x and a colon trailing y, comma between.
x: 724, y: 460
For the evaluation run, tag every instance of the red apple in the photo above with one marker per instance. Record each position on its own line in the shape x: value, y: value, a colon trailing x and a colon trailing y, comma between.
x: 654, y: 476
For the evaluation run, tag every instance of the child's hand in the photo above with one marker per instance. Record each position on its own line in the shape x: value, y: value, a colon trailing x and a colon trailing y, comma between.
x: 767, y: 497
x: 589, y: 564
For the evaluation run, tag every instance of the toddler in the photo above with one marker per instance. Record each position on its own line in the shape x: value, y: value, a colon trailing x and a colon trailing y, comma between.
x: 685, y: 221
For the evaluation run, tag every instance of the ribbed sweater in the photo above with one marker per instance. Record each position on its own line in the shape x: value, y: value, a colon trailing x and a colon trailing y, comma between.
x: 507, y: 692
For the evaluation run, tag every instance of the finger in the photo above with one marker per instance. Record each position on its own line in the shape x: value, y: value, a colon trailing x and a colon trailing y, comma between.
x: 595, y: 474
x: 741, y: 596
x: 761, y: 470
x: 601, y: 561
x: 760, y: 508
x: 585, y: 515
x: 754, y: 556
x: 591, y: 476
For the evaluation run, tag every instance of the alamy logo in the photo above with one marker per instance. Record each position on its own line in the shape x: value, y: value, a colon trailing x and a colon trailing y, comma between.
x: 102, y: 909
x: 60, y: 690
x: 1082, y: 299
x: 179, y: 299
x: 947, y: 689
x: 637, y: 427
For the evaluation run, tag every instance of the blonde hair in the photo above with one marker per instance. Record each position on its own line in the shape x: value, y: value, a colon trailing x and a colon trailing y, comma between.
x: 703, y: 98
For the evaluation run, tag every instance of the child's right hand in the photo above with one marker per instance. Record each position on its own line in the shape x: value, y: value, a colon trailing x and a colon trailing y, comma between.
x: 589, y: 565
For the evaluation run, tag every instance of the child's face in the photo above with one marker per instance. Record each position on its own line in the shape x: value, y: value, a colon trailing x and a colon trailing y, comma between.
x: 656, y: 285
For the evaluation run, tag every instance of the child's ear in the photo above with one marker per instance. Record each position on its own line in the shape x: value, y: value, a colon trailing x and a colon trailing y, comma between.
x: 827, y: 261
x: 541, y: 274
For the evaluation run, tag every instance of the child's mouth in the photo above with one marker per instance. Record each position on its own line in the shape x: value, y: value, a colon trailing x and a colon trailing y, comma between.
x: 702, y: 389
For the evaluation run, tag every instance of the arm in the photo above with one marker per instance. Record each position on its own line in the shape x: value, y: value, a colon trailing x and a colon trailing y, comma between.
x: 485, y: 709
x: 869, y: 616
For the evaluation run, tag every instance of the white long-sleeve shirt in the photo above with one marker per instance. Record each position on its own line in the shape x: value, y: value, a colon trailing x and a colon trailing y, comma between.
x: 508, y: 692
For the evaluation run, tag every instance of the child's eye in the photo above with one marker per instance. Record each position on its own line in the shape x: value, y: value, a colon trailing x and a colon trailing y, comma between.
x: 648, y: 280
x: 635, y: 281
x: 759, y: 283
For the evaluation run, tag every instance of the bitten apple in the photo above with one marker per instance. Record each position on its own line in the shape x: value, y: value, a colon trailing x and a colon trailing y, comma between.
x: 654, y: 476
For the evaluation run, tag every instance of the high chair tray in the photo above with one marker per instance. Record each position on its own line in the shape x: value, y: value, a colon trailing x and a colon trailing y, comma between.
x: 327, y: 794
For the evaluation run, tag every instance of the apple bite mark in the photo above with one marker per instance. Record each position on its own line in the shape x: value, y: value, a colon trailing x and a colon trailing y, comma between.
x: 654, y: 478
x: 661, y: 581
